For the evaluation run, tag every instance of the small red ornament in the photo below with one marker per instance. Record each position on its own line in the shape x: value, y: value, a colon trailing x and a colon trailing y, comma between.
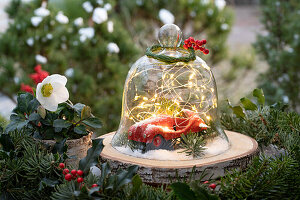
x: 74, y: 172
x: 61, y: 165
x: 80, y: 172
x: 206, y: 182
x: 66, y: 171
x: 94, y: 185
x: 68, y: 177
x: 79, y: 180
x: 213, y: 186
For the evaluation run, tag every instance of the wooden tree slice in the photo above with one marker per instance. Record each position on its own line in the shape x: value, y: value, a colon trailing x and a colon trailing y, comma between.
x: 238, y: 156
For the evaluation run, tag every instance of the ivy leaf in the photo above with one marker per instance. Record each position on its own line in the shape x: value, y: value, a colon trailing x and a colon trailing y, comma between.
x: 237, y: 110
x: 259, y: 94
x: 248, y: 104
x: 92, y: 156
x: 93, y: 122
x: 183, y: 191
x: 60, y: 123
x: 80, y: 129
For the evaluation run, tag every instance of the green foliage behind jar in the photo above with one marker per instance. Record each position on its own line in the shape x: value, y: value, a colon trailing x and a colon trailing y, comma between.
x: 281, y: 49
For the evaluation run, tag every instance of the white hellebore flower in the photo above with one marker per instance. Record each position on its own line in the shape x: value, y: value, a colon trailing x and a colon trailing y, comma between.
x: 52, y: 91
x: 166, y: 16
x: 100, y: 15
x: 113, y: 48
x: 35, y: 20
x: 61, y: 18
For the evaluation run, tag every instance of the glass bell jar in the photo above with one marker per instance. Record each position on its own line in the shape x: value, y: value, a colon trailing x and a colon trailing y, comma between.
x: 170, y: 105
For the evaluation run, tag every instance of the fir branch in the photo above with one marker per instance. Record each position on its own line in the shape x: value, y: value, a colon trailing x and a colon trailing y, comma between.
x: 193, y: 144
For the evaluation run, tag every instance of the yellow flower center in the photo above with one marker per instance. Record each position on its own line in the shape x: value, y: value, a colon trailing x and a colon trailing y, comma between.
x: 47, y: 90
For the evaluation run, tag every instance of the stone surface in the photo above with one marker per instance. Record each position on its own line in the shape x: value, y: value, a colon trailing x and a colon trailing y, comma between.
x: 240, y: 154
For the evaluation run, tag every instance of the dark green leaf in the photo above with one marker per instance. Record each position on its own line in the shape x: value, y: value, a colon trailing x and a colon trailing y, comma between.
x: 16, y: 123
x: 78, y: 108
x: 237, y: 110
x: 92, y: 156
x: 6, y: 142
x: 105, y: 170
x: 47, y: 182
x: 259, y: 94
x: 248, y: 104
x: 60, y: 147
x: 81, y: 129
x: 60, y: 123
x: 93, y: 122
x: 136, y: 184
x: 183, y: 191
x: 33, y: 117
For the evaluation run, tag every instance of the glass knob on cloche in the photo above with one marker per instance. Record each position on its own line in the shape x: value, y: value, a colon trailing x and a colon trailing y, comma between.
x: 170, y: 103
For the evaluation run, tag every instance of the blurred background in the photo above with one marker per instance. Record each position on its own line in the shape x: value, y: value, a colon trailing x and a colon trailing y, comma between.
x: 252, y: 44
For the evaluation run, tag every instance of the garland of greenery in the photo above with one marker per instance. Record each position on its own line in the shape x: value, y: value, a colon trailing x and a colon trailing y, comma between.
x: 170, y: 59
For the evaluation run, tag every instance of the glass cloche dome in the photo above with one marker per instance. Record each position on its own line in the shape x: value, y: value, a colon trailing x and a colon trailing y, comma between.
x: 170, y: 105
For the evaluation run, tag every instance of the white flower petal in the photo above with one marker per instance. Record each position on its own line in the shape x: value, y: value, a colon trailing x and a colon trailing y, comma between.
x: 56, y: 78
x: 78, y: 21
x: 113, y: 48
x: 35, y: 20
x: 60, y: 92
x: 39, y: 94
x: 110, y: 26
x: 41, y: 59
x: 42, y: 12
x: 61, y: 18
x: 50, y: 103
x: 87, y: 6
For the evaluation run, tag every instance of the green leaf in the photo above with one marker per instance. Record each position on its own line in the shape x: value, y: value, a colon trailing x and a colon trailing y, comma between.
x: 105, y: 171
x: 92, y: 156
x: 41, y: 111
x: 60, y: 147
x: 81, y: 129
x: 33, y: 117
x: 86, y: 112
x: 78, y: 108
x: 93, y: 122
x: 6, y: 142
x: 47, y: 182
x: 183, y: 191
x: 259, y: 94
x: 237, y: 110
x: 136, y: 184
x: 60, y: 123
x: 248, y: 104
x: 16, y: 123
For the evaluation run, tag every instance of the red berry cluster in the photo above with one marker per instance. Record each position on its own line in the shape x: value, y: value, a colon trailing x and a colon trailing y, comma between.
x: 75, y: 174
x: 196, y: 45
x: 37, y: 77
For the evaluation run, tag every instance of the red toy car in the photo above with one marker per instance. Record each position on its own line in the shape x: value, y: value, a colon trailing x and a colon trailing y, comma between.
x: 157, y: 130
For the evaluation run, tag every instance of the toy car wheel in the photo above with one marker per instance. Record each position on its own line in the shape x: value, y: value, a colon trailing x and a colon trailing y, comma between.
x: 159, y: 142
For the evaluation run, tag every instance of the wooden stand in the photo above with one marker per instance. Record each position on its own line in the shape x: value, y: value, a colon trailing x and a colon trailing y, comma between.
x: 238, y: 156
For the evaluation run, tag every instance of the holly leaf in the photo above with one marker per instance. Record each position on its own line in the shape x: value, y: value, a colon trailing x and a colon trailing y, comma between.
x: 259, y: 94
x: 47, y: 182
x: 92, y: 156
x: 105, y: 170
x: 248, y: 104
x: 81, y: 129
x: 183, y: 191
x: 136, y: 184
x: 60, y: 123
x: 237, y: 110
x: 93, y: 122
x: 60, y: 147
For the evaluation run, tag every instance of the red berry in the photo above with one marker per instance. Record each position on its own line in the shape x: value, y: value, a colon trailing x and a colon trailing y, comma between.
x: 201, y: 48
x: 79, y: 180
x: 196, y: 47
x: 185, y: 46
x: 68, y: 177
x: 192, y: 40
x: 94, y: 185
x: 74, y: 172
x: 203, y: 41
x: 212, y: 186
x: 186, y: 41
x: 189, y: 44
x: 66, y: 171
x: 205, y: 182
x: 80, y: 172
x: 61, y: 165
x: 199, y: 43
x: 206, y: 51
